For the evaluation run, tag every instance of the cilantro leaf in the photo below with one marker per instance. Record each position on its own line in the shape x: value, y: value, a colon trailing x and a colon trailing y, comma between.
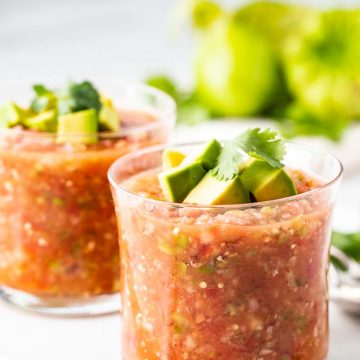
x: 228, y: 161
x: 41, y: 90
x: 264, y: 145
x: 84, y: 96
x: 261, y: 144
x: 79, y: 96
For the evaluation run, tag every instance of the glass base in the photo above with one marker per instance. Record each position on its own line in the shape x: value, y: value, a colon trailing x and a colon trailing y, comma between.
x: 67, y: 307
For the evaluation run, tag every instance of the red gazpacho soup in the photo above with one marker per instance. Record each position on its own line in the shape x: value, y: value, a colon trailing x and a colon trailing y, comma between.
x: 58, y: 235
x: 228, y: 281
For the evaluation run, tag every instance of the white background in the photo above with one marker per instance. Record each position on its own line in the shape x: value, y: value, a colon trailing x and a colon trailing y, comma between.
x: 128, y: 39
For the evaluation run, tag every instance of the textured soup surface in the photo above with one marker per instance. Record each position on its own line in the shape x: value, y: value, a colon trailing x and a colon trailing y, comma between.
x: 58, y: 233
x: 229, y: 285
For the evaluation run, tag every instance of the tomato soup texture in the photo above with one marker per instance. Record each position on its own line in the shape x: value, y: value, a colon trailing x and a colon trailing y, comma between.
x: 58, y: 234
x: 225, y: 284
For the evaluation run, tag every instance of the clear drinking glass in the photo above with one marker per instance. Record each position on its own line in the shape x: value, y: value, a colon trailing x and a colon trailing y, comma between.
x: 224, y: 282
x: 58, y: 236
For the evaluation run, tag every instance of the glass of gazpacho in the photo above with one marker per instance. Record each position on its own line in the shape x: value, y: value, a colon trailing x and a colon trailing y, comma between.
x: 58, y: 235
x: 225, y: 252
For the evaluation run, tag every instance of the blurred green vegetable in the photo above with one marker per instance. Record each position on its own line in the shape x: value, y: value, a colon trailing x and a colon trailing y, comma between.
x: 189, y: 109
x: 295, y: 120
x: 322, y: 64
x: 235, y: 69
x: 164, y: 83
x: 275, y: 20
x: 349, y: 243
x: 204, y: 13
x: 294, y: 63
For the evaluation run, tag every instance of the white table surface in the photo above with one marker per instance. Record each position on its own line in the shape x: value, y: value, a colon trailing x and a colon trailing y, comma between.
x: 127, y: 39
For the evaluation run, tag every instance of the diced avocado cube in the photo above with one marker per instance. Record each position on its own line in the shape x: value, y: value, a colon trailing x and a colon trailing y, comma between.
x: 208, y: 155
x: 211, y: 191
x: 176, y: 183
x: 78, y: 127
x: 10, y: 115
x: 172, y: 158
x: 265, y: 182
x: 109, y: 119
x: 45, y: 121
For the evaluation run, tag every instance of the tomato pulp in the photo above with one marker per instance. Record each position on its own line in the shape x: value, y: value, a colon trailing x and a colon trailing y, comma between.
x: 225, y: 283
x: 58, y: 235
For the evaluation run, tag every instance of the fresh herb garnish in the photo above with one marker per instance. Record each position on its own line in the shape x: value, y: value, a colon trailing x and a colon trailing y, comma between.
x: 79, y: 96
x: 261, y: 144
x: 228, y: 161
x: 41, y: 90
x: 264, y: 145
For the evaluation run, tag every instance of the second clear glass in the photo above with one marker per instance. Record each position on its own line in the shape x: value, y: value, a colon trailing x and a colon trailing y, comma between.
x: 58, y: 237
x: 225, y: 282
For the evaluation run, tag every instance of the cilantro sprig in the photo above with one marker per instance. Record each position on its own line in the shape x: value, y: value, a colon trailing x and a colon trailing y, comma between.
x: 76, y: 97
x: 79, y: 96
x: 227, y: 166
x: 261, y: 144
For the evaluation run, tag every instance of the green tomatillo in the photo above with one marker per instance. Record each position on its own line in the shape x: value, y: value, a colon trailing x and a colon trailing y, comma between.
x: 235, y: 68
x: 322, y: 64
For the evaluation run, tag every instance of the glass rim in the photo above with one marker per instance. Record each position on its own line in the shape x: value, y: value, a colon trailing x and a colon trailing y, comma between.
x: 259, y: 204
x: 168, y: 118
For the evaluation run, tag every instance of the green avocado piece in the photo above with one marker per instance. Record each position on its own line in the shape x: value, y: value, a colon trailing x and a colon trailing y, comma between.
x: 78, y: 127
x: 109, y: 119
x: 265, y: 182
x: 45, y: 121
x: 172, y: 158
x: 211, y: 191
x: 207, y: 156
x: 10, y: 115
x: 177, y: 182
